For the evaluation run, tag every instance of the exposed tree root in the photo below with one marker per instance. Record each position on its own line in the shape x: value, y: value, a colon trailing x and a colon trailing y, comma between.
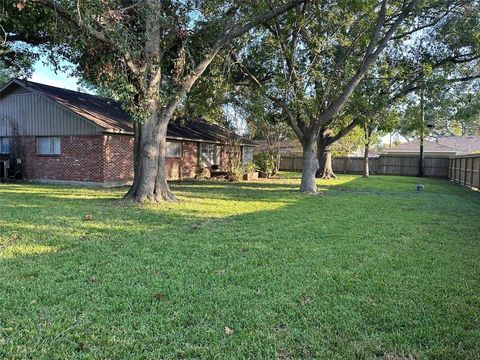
x: 327, y: 175
x: 158, y: 196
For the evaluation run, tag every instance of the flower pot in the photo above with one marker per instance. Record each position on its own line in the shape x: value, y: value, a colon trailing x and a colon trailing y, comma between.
x: 250, y: 176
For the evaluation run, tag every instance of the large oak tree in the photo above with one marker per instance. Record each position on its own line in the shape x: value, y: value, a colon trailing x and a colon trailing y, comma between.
x: 309, y: 62
x: 148, y: 53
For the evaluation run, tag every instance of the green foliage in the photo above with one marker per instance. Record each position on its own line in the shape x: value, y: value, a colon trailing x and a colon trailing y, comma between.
x: 264, y: 163
x: 455, y: 110
x: 5, y: 74
x: 237, y: 170
x: 236, y: 173
x: 349, y: 144
x: 305, y: 61
x: 250, y: 167
x: 449, y: 111
x: 370, y: 269
x: 112, y: 45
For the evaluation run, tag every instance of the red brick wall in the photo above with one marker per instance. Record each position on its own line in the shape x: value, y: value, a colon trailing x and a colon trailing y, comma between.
x: 81, y: 159
x: 118, y: 158
x: 224, y: 158
x: 106, y: 159
x: 184, y: 167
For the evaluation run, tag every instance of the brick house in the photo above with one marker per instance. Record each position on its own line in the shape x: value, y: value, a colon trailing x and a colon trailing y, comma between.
x: 64, y: 136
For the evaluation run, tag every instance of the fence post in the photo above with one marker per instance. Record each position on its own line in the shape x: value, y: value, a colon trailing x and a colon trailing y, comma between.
x: 472, y: 169
x: 478, y: 184
x: 457, y: 171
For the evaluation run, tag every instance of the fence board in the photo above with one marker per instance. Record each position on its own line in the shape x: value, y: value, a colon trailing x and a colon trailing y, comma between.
x: 465, y: 170
x: 385, y: 164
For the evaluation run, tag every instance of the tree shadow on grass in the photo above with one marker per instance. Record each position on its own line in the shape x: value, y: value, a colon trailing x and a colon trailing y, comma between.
x: 302, y: 274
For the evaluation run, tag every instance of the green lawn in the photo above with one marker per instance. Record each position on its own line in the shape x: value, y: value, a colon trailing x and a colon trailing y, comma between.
x: 368, y: 269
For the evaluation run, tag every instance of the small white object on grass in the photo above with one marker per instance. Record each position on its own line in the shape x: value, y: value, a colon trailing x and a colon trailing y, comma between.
x: 420, y: 187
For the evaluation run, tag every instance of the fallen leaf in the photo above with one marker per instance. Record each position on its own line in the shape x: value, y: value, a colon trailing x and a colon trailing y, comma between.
x: 305, y: 301
x: 159, y: 296
x: 228, y: 331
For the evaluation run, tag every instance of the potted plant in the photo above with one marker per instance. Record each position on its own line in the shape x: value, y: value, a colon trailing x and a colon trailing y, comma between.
x: 264, y: 165
x: 250, y: 172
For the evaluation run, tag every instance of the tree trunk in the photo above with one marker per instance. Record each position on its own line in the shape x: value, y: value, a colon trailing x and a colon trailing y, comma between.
x: 320, y: 155
x: 150, y: 178
x: 276, y: 164
x: 368, y: 130
x: 327, y: 164
x: 162, y: 191
x: 136, y: 160
x: 324, y: 151
x: 366, y: 170
x: 309, y: 167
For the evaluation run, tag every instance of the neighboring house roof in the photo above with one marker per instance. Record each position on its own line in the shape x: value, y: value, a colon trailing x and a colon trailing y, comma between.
x: 109, y: 115
x: 413, y: 147
x: 361, y: 153
x: 285, y: 147
x: 463, y: 144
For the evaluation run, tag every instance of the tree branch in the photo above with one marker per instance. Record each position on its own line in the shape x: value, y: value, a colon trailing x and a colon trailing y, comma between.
x: 96, y: 34
x: 277, y: 101
x: 331, y: 139
x: 370, y: 56
x: 222, y: 40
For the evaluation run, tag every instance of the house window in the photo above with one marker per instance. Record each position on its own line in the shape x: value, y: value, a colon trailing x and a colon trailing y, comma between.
x: 48, y: 145
x: 4, y: 145
x: 174, y: 149
x: 209, y: 154
x: 247, y: 155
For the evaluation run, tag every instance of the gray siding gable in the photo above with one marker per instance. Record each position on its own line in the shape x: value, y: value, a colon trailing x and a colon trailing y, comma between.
x: 23, y: 112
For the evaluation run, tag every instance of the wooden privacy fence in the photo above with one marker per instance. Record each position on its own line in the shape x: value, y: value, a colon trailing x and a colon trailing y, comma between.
x: 465, y: 170
x: 383, y: 165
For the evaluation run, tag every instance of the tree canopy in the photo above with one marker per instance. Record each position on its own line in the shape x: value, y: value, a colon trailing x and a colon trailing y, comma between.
x: 148, y: 54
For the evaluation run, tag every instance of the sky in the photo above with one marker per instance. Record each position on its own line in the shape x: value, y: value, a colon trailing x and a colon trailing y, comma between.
x: 45, y: 74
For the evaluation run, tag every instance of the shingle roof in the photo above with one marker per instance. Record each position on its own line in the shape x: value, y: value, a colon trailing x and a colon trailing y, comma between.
x: 463, y: 144
x: 200, y: 130
x: 414, y: 146
x: 109, y: 115
x: 285, y: 147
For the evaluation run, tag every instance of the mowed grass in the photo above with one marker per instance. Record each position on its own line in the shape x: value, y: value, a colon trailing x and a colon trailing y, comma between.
x: 368, y: 269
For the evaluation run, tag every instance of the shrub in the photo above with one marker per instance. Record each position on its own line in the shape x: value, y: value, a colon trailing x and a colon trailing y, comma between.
x: 202, y: 171
x: 264, y: 163
x: 249, y: 167
x: 236, y: 173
